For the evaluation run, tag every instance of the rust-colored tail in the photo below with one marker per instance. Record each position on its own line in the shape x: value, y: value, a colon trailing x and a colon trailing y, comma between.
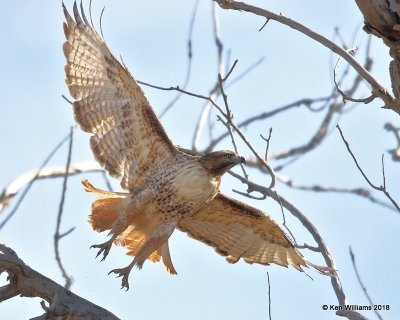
x: 107, y: 207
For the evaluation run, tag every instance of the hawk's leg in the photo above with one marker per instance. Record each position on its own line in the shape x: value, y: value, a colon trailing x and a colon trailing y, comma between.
x: 155, y: 241
x: 121, y: 223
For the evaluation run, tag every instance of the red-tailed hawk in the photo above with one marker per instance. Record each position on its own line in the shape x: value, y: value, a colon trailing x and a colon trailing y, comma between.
x: 167, y: 188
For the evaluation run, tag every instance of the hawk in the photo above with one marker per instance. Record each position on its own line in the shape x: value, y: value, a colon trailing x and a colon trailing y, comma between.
x: 166, y: 188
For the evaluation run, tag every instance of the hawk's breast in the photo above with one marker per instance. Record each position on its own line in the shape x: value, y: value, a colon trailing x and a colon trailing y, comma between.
x: 181, y: 189
x: 193, y: 184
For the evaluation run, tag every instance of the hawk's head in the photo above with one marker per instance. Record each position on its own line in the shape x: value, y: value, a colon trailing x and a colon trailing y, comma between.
x: 219, y: 162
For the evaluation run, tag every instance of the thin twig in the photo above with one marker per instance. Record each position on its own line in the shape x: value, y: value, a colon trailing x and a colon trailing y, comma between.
x: 57, y: 236
x: 284, y: 219
x: 315, y: 140
x: 245, y: 72
x: 335, y: 280
x: 13, y: 188
x: 28, y: 187
x: 223, y: 79
x: 269, y: 296
x: 106, y: 180
x: 101, y: 20
x: 323, y: 130
x: 377, y: 88
x: 345, y: 96
x: 353, y: 261
x: 229, y: 115
x: 379, y: 188
x: 306, y: 246
x: 66, y: 99
x: 248, y: 195
x: 268, y: 141
x: 305, y: 101
x: 265, y: 23
x: 214, y: 92
x: 396, y: 131
x: 238, y: 131
x: 90, y: 14
x: 383, y: 171
x: 361, y: 192
x: 217, y: 39
x: 189, y: 64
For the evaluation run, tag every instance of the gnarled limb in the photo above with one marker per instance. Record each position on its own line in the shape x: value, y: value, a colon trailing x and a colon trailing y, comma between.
x: 27, y: 282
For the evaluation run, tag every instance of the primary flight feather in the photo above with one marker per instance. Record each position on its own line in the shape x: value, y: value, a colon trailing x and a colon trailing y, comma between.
x: 166, y: 188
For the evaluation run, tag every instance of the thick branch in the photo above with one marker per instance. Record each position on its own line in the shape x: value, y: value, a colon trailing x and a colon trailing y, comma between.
x: 27, y: 282
x: 381, y: 19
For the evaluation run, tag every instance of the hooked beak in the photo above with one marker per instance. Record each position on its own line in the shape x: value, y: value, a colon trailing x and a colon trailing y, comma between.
x: 242, y: 160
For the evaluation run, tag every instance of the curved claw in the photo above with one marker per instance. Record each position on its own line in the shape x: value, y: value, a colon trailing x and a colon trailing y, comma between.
x: 104, y: 248
x: 124, y: 273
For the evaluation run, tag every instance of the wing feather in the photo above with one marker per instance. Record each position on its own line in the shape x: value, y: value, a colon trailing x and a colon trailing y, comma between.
x: 127, y: 135
x: 237, y: 230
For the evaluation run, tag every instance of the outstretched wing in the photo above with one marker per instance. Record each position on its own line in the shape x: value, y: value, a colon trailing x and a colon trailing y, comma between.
x: 237, y: 230
x: 128, y: 138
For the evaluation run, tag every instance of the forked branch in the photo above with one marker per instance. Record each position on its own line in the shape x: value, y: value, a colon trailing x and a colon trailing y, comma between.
x: 27, y: 282
x: 377, y: 89
x: 382, y: 188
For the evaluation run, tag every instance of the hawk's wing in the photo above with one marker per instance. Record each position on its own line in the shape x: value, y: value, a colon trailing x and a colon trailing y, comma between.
x: 127, y: 135
x: 237, y: 230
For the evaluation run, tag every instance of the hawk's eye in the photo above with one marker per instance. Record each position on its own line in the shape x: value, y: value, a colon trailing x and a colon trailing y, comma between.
x: 229, y: 156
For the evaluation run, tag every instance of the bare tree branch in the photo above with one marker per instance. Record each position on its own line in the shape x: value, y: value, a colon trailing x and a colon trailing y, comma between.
x: 377, y: 89
x: 351, y: 315
x: 10, y: 191
x: 306, y: 246
x: 57, y: 236
x: 344, y: 95
x: 269, y: 297
x: 238, y: 131
x: 315, y: 140
x: 214, y: 93
x: 335, y: 280
x: 189, y: 64
x: 3, y: 197
x: 381, y: 18
x: 267, y: 140
x: 396, y: 131
x: 305, y: 101
x: 353, y: 261
x: 228, y: 112
x: 361, y: 192
x: 381, y: 188
x: 27, y: 282
x: 334, y: 108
